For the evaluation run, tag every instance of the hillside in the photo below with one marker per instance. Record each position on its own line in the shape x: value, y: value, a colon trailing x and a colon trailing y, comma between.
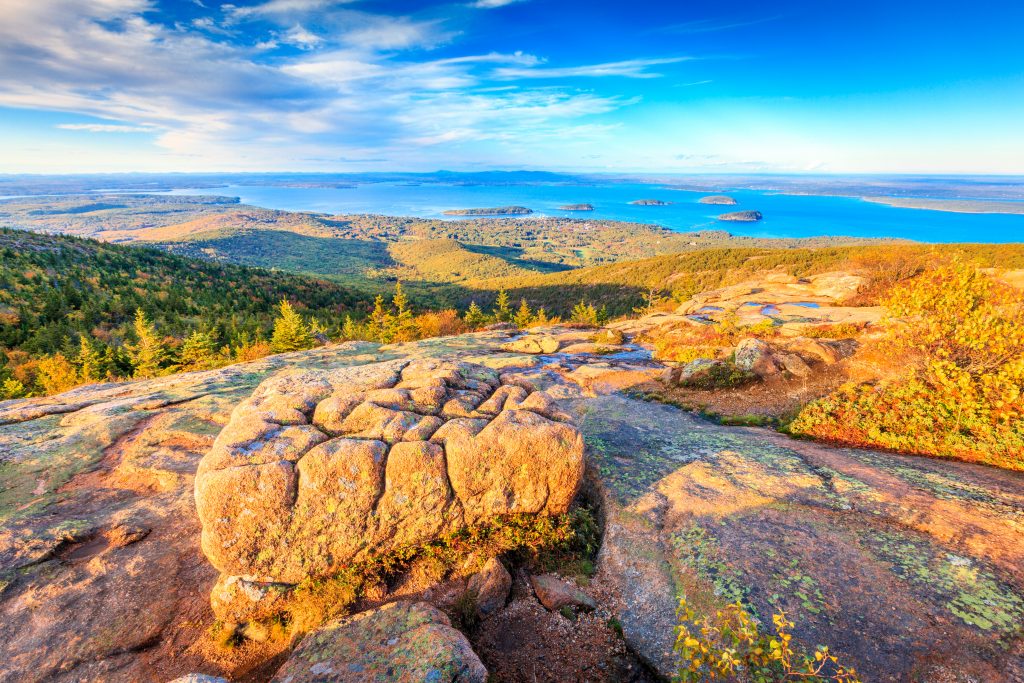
x: 620, y: 286
x: 55, y: 290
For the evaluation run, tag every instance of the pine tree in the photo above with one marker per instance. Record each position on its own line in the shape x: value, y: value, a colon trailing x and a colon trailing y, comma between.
x: 542, y: 317
x: 290, y: 333
x: 403, y: 325
x: 523, y: 316
x: 148, y: 352
x: 199, y: 352
x: 502, y: 310
x: 584, y: 313
x: 652, y: 298
x: 380, y: 325
x: 90, y: 362
x: 349, y: 330
x: 475, y: 318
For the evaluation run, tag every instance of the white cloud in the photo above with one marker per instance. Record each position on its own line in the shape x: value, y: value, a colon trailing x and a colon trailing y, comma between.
x: 630, y: 68
x: 106, y: 128
x: 217, y: 101
x: 493, y: 4
x: 301, y: 37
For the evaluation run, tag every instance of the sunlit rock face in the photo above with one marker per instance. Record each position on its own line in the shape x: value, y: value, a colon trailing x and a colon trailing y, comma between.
x: 320, y: 468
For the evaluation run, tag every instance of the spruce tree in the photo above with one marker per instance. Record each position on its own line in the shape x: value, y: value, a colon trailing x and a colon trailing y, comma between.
x: 502, y: 310
x: 379, y: 328
x: 403, y: 325
x: 349, y: 330
x: 475, y: 317
x: 199, y: 352
x: 290, y: 333
x: 148, y: 352
x: 524, y: 316
x: 90, y: 362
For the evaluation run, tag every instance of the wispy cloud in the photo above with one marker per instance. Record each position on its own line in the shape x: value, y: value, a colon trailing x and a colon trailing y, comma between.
x: 714, y: 25
x: 228, y: 89
x: 493, y: 4
x: 630, y: 68
x: 106, y: 128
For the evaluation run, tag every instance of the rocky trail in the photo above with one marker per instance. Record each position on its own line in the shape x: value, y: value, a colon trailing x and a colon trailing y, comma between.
x: 908, y: 568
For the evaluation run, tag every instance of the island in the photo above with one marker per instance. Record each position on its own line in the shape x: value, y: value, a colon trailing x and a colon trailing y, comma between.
x: 717, y: 199
x: 742, y: 216
x: 497, y: 211
x: 650, y: 202
x: 577, y: 207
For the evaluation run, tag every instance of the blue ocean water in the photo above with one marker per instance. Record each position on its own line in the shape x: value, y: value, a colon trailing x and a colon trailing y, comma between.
x: 784, y: 215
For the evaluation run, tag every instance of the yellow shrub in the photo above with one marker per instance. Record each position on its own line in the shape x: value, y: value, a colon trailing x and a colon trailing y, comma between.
x: 962, y: 335
x: 729, y: 645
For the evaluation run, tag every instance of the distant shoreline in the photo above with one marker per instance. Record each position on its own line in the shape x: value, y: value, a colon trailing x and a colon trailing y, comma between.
x: 951, y: 205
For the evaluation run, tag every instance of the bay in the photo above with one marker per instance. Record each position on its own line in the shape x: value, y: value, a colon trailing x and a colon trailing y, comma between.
x: 785, y: 215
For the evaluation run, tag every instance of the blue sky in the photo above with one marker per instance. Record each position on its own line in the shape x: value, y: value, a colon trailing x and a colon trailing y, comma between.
x: 791, y: 86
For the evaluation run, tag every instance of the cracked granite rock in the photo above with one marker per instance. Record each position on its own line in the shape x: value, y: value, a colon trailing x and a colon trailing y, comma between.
x: 321, y: 468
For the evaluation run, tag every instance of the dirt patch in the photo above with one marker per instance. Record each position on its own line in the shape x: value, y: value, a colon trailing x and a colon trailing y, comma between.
x: 525, y: 643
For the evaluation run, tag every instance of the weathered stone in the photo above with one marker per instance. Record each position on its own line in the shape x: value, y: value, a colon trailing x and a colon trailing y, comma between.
x: 490, y: 587
x: 794, y: 364
x: 698, y: 371
x: 519, y: 463
x: 554, y: 593
x: 280, y: 504
x: 199, y: 678
x: 532, y: 344
x: 754, y: 355
x: 400, y: 642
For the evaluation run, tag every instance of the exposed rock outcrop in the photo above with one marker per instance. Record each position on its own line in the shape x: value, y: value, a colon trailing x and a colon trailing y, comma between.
x: 402, y: 642
x: 320, y: 468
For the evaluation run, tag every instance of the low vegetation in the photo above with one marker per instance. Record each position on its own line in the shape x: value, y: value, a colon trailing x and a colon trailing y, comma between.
x: 731, y: 645
x: 960, y: 335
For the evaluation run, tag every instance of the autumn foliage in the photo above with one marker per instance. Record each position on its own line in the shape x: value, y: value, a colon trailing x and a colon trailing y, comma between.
x: 960, y: 334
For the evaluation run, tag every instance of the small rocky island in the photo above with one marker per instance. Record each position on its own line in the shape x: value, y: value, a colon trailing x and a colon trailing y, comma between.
x: 649, y: 202
x: 717, y: 199
x: 742, y: 216
x: 577, y: 207
x: 497, y: 211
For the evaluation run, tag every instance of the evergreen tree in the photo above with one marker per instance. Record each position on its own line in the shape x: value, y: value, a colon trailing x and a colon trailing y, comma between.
x: 148, y: 352
x: 380, y: 325
x: 404, y: 326
x: 542, y: 317
x: 475, y: 318
x: 502, y: 310
x: 290, y: 333
x: 349, y: 330
x: 584, y: 313
x: 652, y: 298
x: 90, y: 362
x: 523, y: 316
x: 199, y: 352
